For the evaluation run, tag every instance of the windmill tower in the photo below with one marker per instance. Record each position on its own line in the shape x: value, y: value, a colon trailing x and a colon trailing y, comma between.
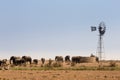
x: 100, y: 47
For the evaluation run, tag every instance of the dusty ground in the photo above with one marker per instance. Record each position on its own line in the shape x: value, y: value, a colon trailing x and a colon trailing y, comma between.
x: 58, y: 75
x: 37, y: 73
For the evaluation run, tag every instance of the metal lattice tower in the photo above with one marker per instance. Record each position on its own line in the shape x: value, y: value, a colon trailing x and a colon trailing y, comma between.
x: 100, y: 48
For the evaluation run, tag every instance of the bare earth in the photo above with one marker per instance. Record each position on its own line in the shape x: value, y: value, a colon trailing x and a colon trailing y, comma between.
x: 58, y: 75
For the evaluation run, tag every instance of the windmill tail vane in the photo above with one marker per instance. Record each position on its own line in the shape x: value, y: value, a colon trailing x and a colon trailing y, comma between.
x: 93, y: 28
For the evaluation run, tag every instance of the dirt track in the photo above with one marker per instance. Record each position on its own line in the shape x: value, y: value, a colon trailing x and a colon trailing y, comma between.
x: 58, y: 75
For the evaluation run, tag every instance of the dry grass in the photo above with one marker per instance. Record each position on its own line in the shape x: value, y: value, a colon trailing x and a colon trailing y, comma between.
x: 58, y: 75
x: 107, y: 70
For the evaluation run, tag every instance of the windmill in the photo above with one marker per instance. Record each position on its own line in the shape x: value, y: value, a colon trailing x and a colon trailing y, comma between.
x: 101, y: 30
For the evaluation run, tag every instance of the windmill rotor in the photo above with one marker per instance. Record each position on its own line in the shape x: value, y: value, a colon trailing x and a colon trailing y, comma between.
x: 102, y: 28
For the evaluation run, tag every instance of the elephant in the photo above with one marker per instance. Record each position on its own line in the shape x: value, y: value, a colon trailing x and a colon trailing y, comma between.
x: 27, y: 59
x: 3, y: 62
x: 13, y: 59
x: 16, y: 60
x: 67, y: 58
x: 76, y: 59
x: 35, y: 61
x: 59, y: 58
x: 19, y: 61
x: 97, y: 59
x: 43, y: 60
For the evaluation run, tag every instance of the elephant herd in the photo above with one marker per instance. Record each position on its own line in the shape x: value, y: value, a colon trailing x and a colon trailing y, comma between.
x: 20, y: 60
x: 60, y: 58
x: 14, y: 60
x: 76, y: 59
x: 24, y: 60
x: 28, y: 60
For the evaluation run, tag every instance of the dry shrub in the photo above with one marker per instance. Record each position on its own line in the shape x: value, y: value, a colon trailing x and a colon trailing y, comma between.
x: 1, y: 68
x: 25, y: 65
x: 31, y: 65
x: 49, y: 64
x: 12, y: 65
x: 112, y: 64
x: 73, y: 64
x: 46, y: 65
x: 6, y: 67
x: 68, y: 63
x: 42, y: 65
x: 57, y: 64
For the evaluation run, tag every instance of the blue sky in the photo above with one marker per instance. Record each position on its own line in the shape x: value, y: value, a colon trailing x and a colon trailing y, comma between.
x: 46, y: 28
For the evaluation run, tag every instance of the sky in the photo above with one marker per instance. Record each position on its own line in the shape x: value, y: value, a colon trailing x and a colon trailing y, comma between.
x: 46, y: 28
